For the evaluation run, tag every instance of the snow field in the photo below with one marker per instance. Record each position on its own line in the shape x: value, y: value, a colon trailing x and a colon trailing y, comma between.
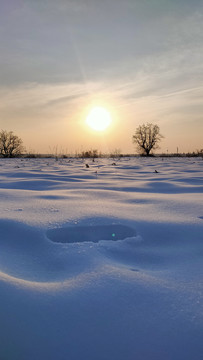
x: 102, y: 262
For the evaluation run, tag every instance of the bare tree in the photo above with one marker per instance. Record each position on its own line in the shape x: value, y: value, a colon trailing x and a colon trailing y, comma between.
x: 10, y: 144
x: 147, y: 138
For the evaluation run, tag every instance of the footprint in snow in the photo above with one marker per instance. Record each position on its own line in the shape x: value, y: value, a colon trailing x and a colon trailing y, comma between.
x: 78, y: 234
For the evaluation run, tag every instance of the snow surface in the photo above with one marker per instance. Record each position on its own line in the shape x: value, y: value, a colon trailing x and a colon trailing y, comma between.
x: 101, y: 263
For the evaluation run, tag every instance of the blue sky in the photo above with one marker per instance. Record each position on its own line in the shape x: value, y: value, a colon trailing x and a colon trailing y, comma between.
x: 140, y: 59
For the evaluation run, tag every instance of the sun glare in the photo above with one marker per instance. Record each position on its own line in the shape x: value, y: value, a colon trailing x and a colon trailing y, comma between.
x: 98, y: 119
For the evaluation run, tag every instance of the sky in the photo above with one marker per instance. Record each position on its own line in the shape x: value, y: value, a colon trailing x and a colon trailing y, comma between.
x: 140, y: 59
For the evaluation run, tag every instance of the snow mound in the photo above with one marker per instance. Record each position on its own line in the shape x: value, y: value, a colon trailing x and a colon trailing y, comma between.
x: 94, y: 233
x: 27, y: 255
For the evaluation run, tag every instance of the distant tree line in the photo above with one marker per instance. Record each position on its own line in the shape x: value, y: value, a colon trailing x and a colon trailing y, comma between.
x: 146, y: 138
x: 90, y: 154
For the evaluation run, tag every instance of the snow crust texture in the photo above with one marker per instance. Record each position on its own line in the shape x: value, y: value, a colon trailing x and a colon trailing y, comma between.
x: 101, y: 262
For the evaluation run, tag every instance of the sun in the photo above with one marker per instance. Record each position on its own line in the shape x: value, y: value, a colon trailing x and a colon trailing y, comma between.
x: 98, y: 118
